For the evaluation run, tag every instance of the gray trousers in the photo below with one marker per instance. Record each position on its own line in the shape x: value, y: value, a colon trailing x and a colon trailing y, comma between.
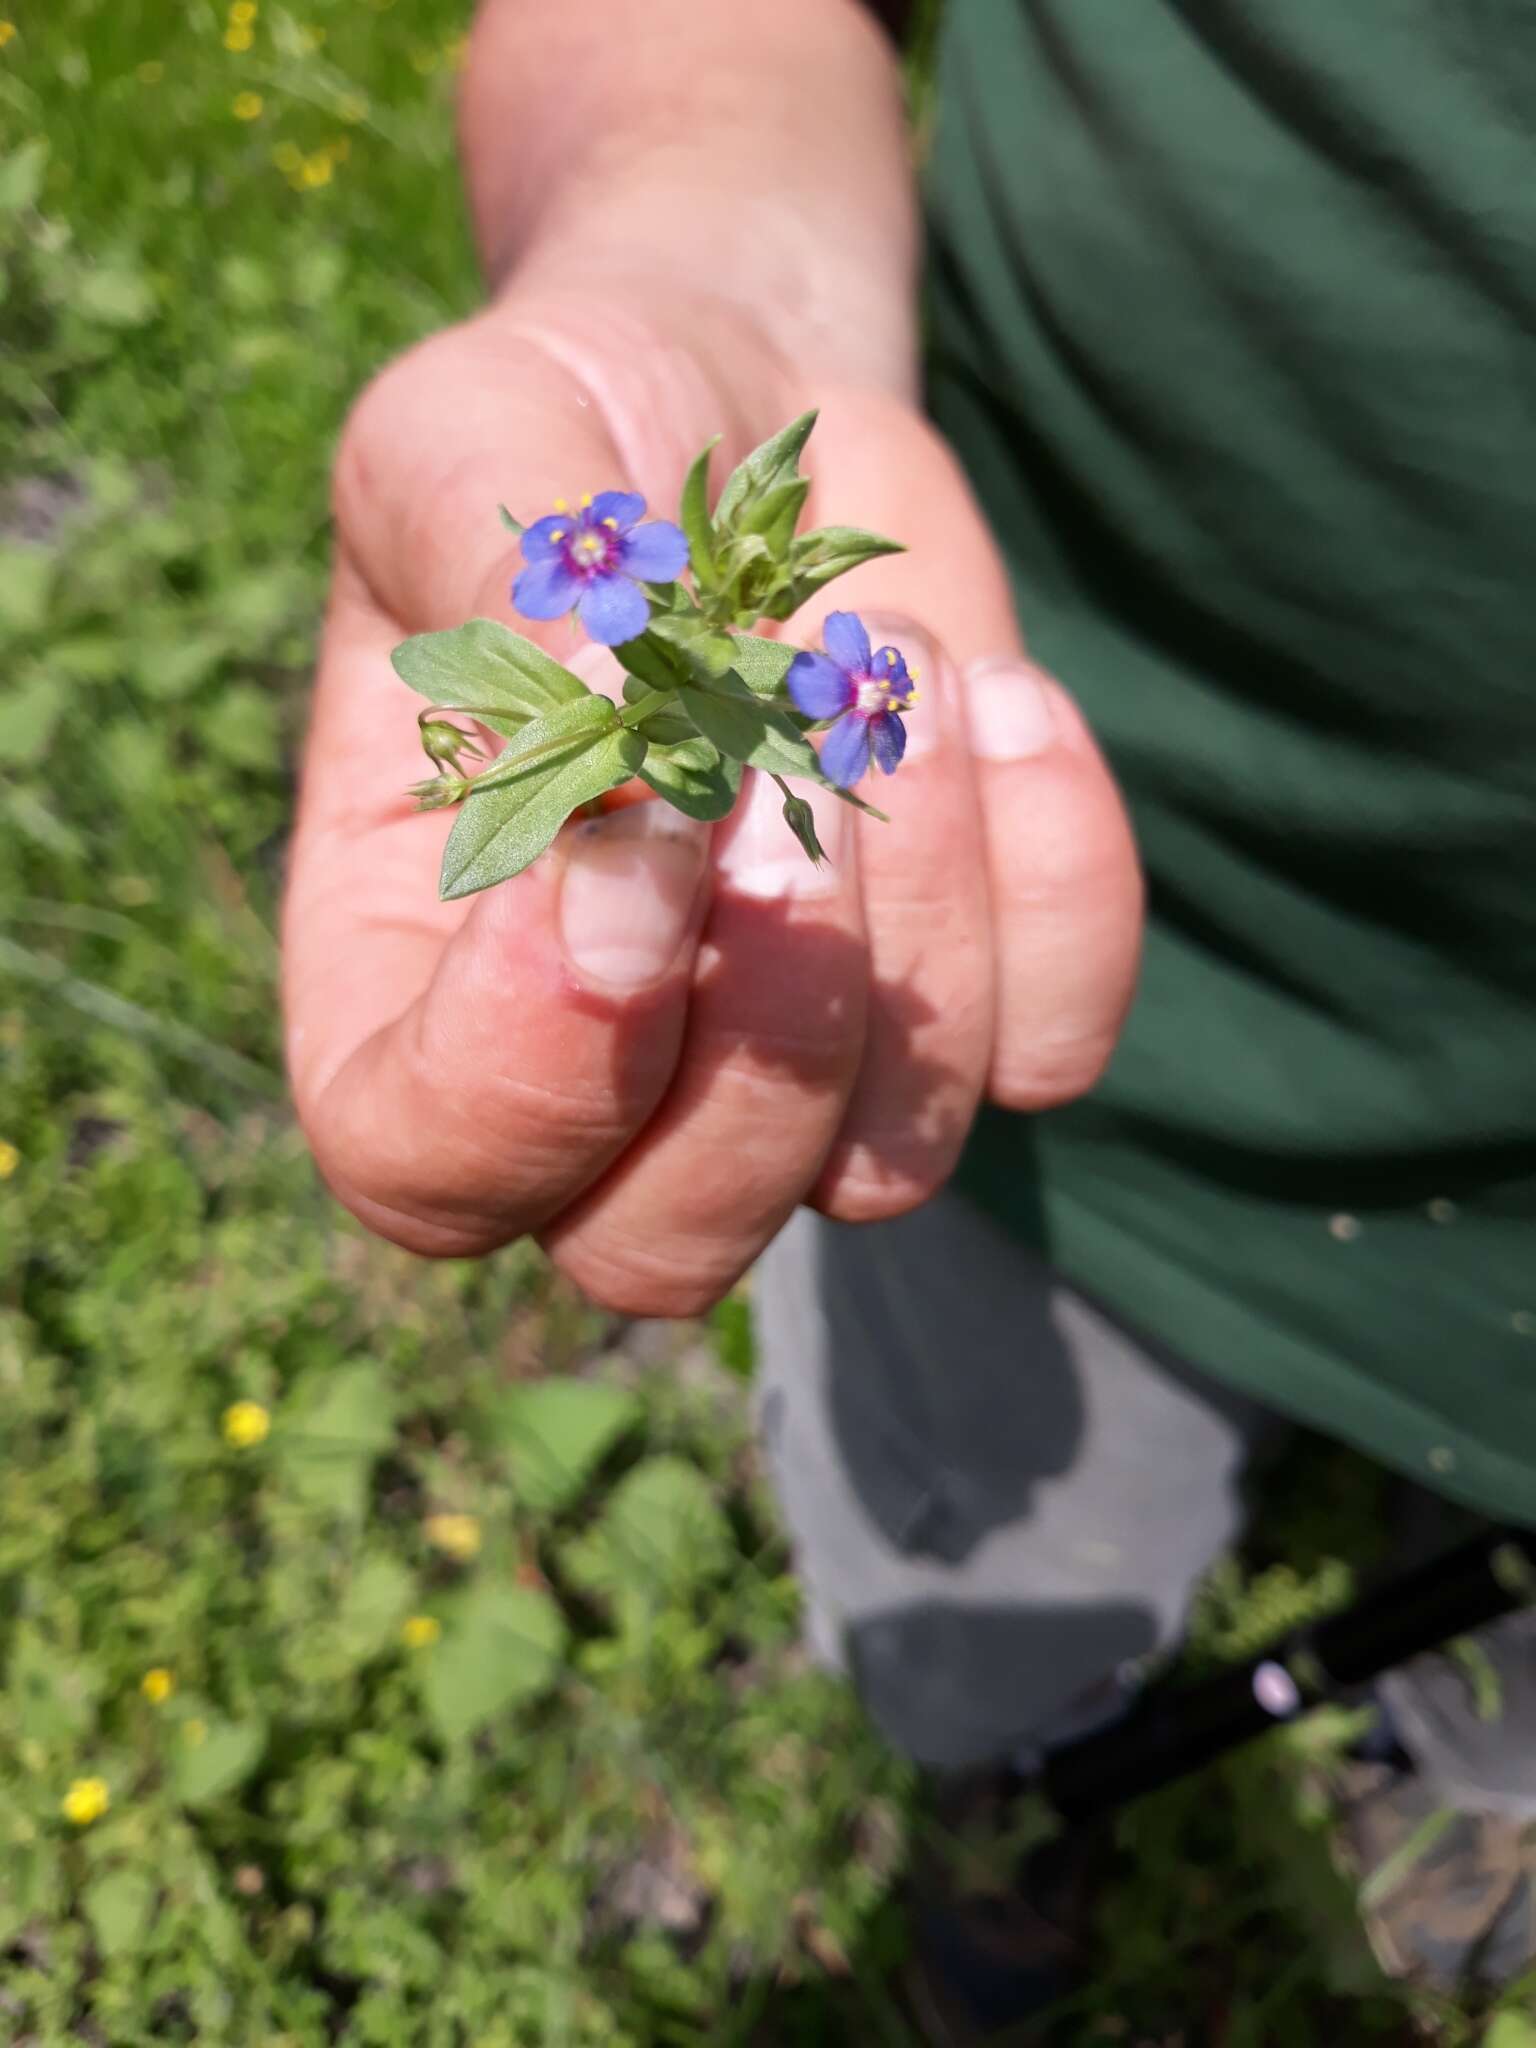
x: 1002, y: 1500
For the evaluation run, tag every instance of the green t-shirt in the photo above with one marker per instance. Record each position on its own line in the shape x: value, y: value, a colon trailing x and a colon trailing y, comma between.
x: 1234, y: 323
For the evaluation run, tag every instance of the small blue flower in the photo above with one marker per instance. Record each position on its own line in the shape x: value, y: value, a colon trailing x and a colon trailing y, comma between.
x: 865, y: 692
x: 594, y: 560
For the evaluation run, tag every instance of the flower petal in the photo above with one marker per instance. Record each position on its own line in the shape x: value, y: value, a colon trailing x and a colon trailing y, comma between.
x: 845, y: 639
x: 622, y: 507
x: 547, y: 589
x: 818, y: 687
x: 613, y: 609
x: 845, y: 751
x: 890, y: 667
x: 655, y: 552
x: 887, y: 741
x: 543, y: 538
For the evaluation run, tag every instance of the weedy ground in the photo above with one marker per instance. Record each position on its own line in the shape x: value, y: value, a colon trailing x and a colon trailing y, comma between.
x: 457, y: 1700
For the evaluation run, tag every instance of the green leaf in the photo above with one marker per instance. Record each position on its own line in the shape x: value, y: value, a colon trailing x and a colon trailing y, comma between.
x: 761, y: 664
x: 21, y: 175
x: 751, y: 732
x: 1511, y: 2030
x: 776, y: 513
x: 514, y: 526
x: 118, y: 1904
x: 113, y: 294
x: 694, y: 777
x: 693, y: 517
x: 241, y: 727
x: 651, y: 658
x: 29, y: 712
x: 499, y: 831
x: 502, y: 1649
x: 548, y: 738
x: 662, y: 1533
x: 819, y: 557
x: 376, y: 1599
x: 332, y: 1428
x: 694, y: 649
x: 488, y: 670
x: 26, y: 584
x: 858, y: 802
x: 556, y: 1433
x: 212, y: 1757
x: 776, y: 461
x: 50, y: 1694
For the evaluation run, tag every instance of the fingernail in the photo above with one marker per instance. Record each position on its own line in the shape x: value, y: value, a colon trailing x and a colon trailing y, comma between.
x: 628, y: 891
x: 1008, y: 708
x: 763, y: 858
x: 924, y: 719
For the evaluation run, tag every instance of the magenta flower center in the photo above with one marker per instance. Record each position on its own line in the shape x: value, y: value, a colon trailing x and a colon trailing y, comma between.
x: 590, y: 550
x: 872, y: 696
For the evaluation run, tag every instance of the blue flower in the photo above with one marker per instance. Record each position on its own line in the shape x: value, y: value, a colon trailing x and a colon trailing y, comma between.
x: 594, y: 560
x: 866, y: 693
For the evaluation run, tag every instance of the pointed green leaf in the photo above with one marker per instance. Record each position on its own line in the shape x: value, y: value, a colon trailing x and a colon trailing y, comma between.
x: 547, y: 738
x: 774, y: 462
x: 212, y: 1757
x: 556, y: 1434
x: 693, y: 517
x: 331, y: 1430
x: 775, y: 514
x: 498, y: 832
x: 858, y: 802
x: 502, y: 1649
x: 761, y: 664
x: 662, y: 1534
x: 820, y: 557
x: 694, y: 777
x: 514, y: 526
x: 486, y: 669
x: 652, y: 658
x: 752, y: 732
x: 118, y: 1905
x: 801, y: 820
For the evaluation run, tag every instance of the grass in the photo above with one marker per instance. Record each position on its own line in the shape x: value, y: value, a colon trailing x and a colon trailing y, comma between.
x: 478, y: 1715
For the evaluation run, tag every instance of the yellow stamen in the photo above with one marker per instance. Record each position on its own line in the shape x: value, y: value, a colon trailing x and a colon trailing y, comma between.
x: 586, y: 499
x: 562, y: 505
x: 914, y: 673
x: 558, y: 534
x: 613, y: 523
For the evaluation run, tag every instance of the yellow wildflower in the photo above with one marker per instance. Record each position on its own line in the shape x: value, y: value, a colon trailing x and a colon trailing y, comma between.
x: 459, y: 1535
x: 86, y: 1800
x: 238, y: 37
x: 242, y: 12
x: 7, y: 30
x: 316, y: 169
x: 157, y: 1685
x: 10, y: 1159
x: 247, y: 106
x: 246, y: 1424
x: 420, y: 1631
x: 150, y: 73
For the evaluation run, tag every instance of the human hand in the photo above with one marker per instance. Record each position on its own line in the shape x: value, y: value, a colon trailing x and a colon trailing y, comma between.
x: 656, y: 1041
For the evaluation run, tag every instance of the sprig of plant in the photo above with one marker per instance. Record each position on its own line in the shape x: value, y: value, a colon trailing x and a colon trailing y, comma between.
x: 704, y: 695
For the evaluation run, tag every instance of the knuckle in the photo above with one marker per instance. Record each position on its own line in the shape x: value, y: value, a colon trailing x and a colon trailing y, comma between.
x: 630, y: 1278
x: 1050, y: 1077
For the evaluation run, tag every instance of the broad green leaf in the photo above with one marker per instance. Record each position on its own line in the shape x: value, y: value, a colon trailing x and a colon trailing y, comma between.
x: 21, y: 175
x: 118, y: 1904
x: 1511, y: 2030
x: 27, y: 576
x: 653, y: 660
x: 556, y: 1433
x: 693, y: 517
x: 547, y: 739
x: 212, y: 1757
x: 500, y: 831
x: 761, y: 664
x: 29, y: 712
x: 694, y: 777
x: 51, y: 1692
x: 376, y: 1599
x: 485, y: 668
x: 662, y: 1533
x: 775, y: 461
x: 693, y: 649
x: 502, y: 1649
x: 751, y: 732
x: 241, y: 727
x: 113, y: 294
x: 332, y: 1429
